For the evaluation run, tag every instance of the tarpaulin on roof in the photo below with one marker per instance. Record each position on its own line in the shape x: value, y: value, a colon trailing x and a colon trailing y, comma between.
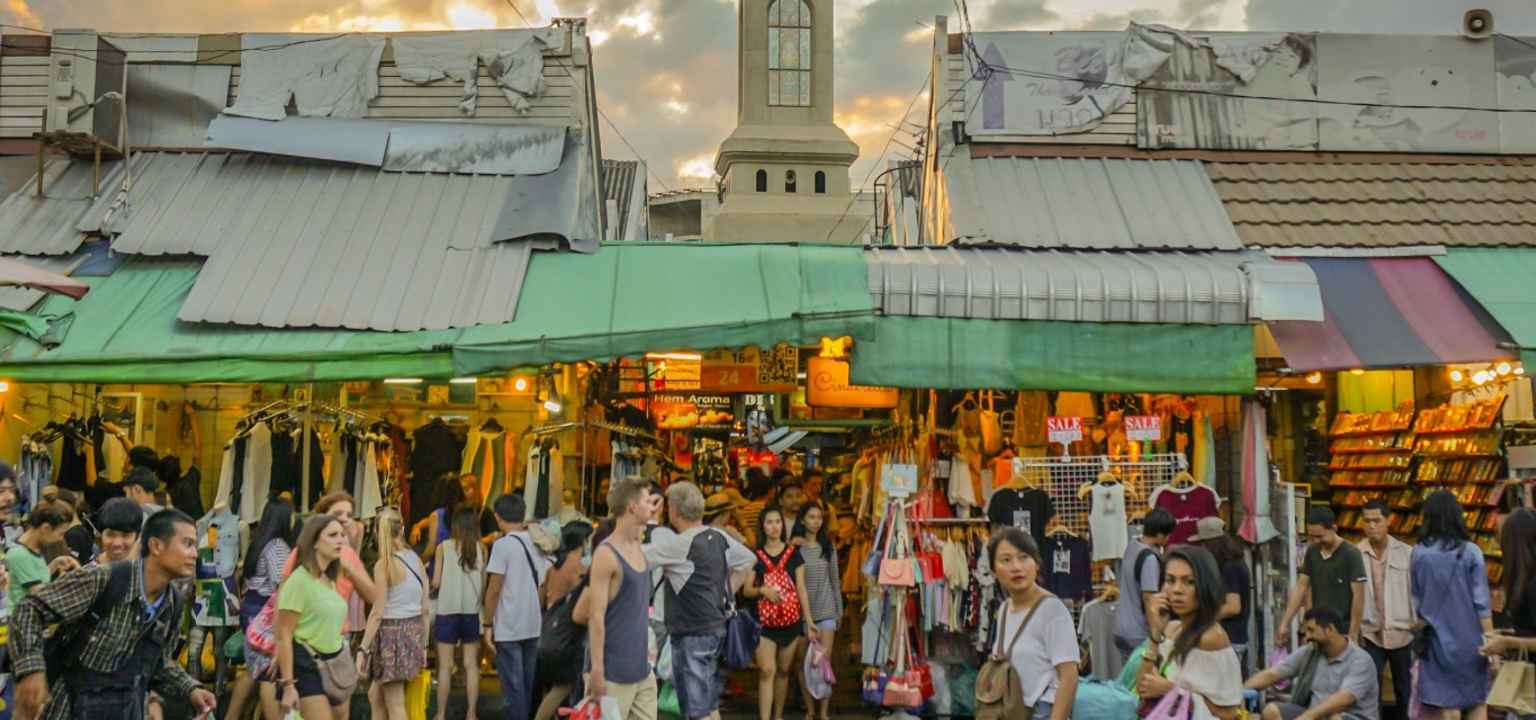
x: 1388, y: 312
x: 622, y: 300
x: 962, y: 354
x: 1500, y: 280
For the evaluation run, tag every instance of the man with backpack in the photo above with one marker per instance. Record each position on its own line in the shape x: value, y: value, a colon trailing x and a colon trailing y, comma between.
x: 702, y: 568
x: 1141, y: 576
x: 514, y: 598
x: 116, y: 637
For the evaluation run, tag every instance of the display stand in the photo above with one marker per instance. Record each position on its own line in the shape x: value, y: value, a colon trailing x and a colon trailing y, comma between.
x: 1458, y: 449
x: 1372, y: 456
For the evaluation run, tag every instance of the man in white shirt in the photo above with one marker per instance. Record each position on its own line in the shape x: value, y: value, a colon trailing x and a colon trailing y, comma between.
x: 514, y: 598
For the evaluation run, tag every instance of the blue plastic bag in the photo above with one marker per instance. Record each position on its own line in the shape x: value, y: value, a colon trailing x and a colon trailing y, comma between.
x: 1103, y: 700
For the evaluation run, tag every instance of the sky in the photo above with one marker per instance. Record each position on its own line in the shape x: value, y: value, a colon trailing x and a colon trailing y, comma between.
x: 666, y: 69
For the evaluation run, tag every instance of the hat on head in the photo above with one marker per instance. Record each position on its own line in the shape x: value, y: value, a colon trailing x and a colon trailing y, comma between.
x: 717, y: 503
x: 1210, y: 528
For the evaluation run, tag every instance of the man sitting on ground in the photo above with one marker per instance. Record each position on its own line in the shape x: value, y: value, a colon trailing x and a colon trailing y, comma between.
x: 1334, y: 677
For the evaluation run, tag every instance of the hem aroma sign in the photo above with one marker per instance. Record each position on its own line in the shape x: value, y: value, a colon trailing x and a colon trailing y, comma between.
x: 827, y: 385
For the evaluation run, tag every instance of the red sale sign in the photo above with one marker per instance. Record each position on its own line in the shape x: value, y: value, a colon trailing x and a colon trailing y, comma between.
x: 1064, y: 430
x: 1143, y: 428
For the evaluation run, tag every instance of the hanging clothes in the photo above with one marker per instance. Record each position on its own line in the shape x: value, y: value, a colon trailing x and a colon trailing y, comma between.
x: 33, y: 473
x: 491, y: 457
x: 234, y: 487
x: 1187, y: 506
x: 1203, y: 464
x: 1106, y: 521
x: 544, y: 481
x: 436, y: 451
x: 1067, y: 571
x: 258, y: 472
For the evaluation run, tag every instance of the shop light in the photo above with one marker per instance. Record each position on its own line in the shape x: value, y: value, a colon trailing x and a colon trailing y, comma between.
x: 462, y: 381
x: 1357, y: 371
x: 1457, y: 376
x: 1503, y: 368
x: 686, y: 357
x: 4, y: 386
x: 402, y: 381
x: 1480, y: 378
x: 1314, y: 378
x: 1520, y: 370
x: 553, y: 406
x: 520, y: 384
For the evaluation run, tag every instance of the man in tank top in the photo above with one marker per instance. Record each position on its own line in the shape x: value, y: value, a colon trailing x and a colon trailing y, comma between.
x: 620, y: 596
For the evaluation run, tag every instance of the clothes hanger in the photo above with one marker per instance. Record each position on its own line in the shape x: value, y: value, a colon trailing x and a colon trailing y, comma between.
x: 1183, y: 481
x: 1105, y: 478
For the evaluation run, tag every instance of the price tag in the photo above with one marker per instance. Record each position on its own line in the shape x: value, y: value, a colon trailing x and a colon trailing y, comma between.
x: 898, y: 479
x: 1143, y: 428
x: 1064, y: 430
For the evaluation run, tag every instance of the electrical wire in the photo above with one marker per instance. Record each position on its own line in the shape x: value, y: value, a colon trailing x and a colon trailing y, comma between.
x: 854, y: 196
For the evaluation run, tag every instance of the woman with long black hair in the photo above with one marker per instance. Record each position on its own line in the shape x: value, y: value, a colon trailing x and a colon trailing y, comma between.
x: 779, y: 587
x: 1187, y: 648
x: 1517, y: 541
x: 822, y: 590
x: 458, y: 576
x: 262, y: 573
x: 1450, y: 588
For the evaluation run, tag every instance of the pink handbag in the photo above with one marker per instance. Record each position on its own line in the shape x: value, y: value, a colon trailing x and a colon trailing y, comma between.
x: 261, y: 633
x: 1178, y: 704
x: 896, y: 566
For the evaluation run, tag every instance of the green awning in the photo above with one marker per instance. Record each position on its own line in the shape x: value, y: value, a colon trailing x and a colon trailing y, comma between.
x: 1500, y: 280
x: 625, y: 299
x: 958, y: 354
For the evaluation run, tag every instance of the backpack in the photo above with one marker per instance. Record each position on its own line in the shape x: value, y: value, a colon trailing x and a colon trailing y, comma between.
x: 62, y: 651
x: 786, y: 612
x: 999, y: 693
x: 1141, y: 559
x: 562, y: 643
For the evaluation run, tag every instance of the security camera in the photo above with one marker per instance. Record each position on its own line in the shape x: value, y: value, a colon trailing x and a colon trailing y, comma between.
x: 1477, y: 24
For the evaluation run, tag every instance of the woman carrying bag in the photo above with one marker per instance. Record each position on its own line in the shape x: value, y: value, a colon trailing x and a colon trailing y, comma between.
x: 782, y: 608
x: 394, y: 647
x: 1032, y: 672
x: 314, y: 674
x: 824, y: 597
x: 1189, y: 667
x: 1514, y: 686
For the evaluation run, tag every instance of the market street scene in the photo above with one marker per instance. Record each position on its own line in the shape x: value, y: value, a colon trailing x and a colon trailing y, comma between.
x: 767, y: 359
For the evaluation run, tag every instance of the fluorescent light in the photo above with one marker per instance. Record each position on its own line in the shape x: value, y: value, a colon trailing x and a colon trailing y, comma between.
x: 402, y: 381
x: 462, y: 381
x: 694, y: 357
x: 1357, y: 371
x: 4, y: 386
x: 1314, y: 378
x: 553, y: 406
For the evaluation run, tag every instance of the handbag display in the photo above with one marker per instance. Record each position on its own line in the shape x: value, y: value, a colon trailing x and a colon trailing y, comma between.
x: 338, y: 674
x: 999, y: 694
x: 1514, y: 688
x: 896, y: 568
x: 877, y: 549
x: 903, y: 690
x: 1178, y: 704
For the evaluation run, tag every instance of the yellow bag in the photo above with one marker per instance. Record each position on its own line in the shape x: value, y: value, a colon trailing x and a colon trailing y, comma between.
x: 1514, y: 688
x: 991, y: 428
x: 416, y: 692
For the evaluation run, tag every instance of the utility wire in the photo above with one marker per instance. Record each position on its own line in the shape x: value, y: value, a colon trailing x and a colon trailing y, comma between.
x: 854, y: 196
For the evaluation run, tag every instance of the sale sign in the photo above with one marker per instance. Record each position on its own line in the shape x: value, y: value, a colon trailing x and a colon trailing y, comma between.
x: 1064, y: 430
x: 1143, y: 428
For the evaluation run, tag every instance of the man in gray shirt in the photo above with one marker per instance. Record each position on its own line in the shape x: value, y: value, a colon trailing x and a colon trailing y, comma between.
x: 1140, y: 577
x: 1343, y: 677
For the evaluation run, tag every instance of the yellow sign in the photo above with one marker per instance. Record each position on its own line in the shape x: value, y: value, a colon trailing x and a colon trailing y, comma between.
x: 827, y: 385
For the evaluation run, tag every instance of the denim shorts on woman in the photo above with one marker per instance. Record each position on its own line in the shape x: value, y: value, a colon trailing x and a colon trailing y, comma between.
x: 457, y: 629
x: 696, y: 673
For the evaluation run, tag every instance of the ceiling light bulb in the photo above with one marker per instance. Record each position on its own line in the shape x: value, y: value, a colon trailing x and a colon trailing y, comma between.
x: 553, y: 406
x: 1314, y: 378
x: 1520, y: 370
x: 1357, y: 371
x: 1481, y: 377
x: 1457, y: 376
x: 520, y: 384
x: 1503, y: 368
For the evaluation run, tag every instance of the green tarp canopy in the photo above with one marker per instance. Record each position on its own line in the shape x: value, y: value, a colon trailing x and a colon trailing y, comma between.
x: 1501, y: 280
x: 626, y: 299
x: 959, y: 354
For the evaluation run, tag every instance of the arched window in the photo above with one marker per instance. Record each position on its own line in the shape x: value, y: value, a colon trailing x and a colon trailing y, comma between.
x: 789, y: 53
x: 789, y: 181
x: 821, y: 183
x: 762, y: 181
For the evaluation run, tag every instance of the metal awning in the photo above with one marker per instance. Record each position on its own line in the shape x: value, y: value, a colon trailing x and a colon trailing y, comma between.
x: 1389, y: 312
x: 1500, y: 280
x: 1085, y: 286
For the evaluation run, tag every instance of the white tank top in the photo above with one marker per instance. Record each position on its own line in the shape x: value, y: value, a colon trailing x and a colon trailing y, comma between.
x: 461, y: 589
x: 404, y: 597
x: 1106, y: 521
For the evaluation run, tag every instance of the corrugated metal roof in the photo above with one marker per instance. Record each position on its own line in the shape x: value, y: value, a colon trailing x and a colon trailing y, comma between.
x: 52, y: 224
x: 1382, y: 204
x: 1145, y: 287
x: 301, y: 243
x: 20, y: 298
x: 1085, y: 204
x: 619, y: 186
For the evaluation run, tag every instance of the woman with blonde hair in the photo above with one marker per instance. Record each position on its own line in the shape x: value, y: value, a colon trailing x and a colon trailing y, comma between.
x: 394, y: 647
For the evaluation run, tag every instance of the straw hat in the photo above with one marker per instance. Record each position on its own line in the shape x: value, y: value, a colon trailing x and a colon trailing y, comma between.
x: 720, y: 502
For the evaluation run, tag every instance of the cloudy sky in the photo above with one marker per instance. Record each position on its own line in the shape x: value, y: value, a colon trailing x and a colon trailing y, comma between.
x: 666, y: 68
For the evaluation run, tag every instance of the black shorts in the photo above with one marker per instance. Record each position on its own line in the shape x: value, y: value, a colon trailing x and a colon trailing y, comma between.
x: 785, y: 635
x: 306, y: 672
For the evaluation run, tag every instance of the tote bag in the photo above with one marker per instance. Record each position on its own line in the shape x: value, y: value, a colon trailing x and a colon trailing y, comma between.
x: 1514, y: 688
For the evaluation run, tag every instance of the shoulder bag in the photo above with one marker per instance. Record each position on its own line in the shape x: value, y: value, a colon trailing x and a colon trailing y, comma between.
x: 338, y: 673
x: 1514, y: 688
x: 999, y: 694
x: 896, y: 566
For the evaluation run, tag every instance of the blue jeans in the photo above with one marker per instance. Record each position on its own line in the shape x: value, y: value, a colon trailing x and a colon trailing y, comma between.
x: 696, y: 672
x: 515, y: 663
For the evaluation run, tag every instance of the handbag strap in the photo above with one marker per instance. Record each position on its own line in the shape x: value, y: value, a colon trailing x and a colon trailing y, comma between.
x: 1019, y: 632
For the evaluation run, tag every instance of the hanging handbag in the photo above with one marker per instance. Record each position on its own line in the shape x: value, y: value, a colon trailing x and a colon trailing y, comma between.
x: 902, y: 690
x: 260, y: 634
x: 338, y: 674
x: 991, y: 427
x: 877, y: 549
x: 1514, y: 688
x: 1178, y: 704
x: 896, y: 568
x: 999, y: 694
x: 742, y: 633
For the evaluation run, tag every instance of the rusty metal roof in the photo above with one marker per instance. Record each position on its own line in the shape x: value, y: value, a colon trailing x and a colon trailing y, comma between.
x: 1083, y: 204
x: 1380, y: 204
x: 55, y: 223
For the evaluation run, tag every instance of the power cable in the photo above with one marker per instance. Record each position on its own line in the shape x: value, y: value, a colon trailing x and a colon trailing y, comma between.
x: 853, y: 196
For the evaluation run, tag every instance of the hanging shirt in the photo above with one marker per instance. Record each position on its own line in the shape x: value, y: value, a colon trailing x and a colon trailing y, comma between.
x: 1068, y: 574
x: 1187, y: 506
x: 1106, y: 521
x: 435, y: 451
x: 1027, y: 509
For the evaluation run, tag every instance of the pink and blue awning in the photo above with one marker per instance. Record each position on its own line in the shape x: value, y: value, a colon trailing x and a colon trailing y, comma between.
x: 1389, y: 312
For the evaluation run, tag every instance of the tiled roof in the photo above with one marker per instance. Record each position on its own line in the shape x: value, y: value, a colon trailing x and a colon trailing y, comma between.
x: 1379, y: 204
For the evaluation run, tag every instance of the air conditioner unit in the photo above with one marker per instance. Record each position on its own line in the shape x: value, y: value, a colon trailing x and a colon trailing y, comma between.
x: 88, y: 84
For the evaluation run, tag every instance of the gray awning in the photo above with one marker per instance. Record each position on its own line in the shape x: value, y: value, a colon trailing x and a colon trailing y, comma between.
x: 1084, y: 204
x: 1145, y: 287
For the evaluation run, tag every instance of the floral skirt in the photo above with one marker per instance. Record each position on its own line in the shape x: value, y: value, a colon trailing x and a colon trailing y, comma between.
x: 399, y: 651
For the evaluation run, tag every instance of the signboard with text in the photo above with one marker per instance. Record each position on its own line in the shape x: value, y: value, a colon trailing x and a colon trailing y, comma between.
x: 750, y: 370
x: 693, y: 410
x: 1143, y: 428
x: 1064, y: 430
x: 827, y: 385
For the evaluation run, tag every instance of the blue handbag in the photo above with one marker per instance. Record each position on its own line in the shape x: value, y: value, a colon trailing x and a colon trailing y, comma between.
x: 742, y: 633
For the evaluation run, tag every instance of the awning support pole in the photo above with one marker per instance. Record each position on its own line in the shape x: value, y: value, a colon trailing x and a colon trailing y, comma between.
x: 309, y: 424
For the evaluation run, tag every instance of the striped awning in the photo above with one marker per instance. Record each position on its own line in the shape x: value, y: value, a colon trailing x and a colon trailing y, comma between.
x: 1389, y: 312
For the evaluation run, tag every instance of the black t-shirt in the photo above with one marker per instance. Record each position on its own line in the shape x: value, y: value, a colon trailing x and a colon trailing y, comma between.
x: 81, y: 544
x: 1028, y: 509
x: 794, y: 563
x: 1067, y: 573
x: 1235, y: 579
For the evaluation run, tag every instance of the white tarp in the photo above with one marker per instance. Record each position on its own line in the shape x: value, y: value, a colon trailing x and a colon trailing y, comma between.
x: 513, y: 58
x: 325, y: 76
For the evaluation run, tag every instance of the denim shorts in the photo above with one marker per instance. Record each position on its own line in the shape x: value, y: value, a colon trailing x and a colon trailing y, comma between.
x: 696, y: 673
x: 828, y: 624
x: 457, y: 629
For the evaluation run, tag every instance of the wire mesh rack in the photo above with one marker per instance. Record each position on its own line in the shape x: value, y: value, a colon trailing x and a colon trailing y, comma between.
x: 1062, y: 477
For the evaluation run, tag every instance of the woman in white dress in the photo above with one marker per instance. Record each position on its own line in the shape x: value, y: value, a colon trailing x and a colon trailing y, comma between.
x: 1188, y: 649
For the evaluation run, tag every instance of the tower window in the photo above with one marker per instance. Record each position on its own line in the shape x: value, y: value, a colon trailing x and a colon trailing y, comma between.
x: 821, y: 183
x: 762, y: 181
x: 789, y: 181
x: 789, y: 53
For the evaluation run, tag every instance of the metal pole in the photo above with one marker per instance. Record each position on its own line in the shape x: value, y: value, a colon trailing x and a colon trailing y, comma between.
x: 309, y: 423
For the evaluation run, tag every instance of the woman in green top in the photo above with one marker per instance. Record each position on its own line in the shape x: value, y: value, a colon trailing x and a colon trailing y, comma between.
x: 310, y: 614
x: 25, y: 559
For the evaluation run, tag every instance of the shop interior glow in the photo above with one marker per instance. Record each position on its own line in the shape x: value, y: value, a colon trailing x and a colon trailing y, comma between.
x: 4, y: 386
x: 402, y: 381
x: 1314, y: 378
x: 463, y: 381
x: 553, y: 406
x: 1503, y: 368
